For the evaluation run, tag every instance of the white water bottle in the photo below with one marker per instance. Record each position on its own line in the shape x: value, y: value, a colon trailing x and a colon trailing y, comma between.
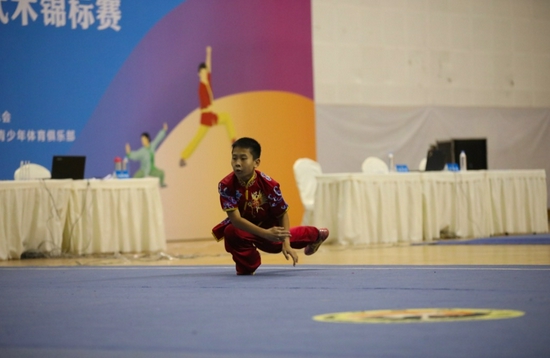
x: 463, y: 161
x: 390, y: 162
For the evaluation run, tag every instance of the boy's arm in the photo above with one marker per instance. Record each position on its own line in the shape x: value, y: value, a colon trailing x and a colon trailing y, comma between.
x: 275, y: 234
x: 284, y: 221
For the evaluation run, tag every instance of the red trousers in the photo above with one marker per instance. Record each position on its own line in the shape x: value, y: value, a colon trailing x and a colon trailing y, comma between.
x: 244, y: 246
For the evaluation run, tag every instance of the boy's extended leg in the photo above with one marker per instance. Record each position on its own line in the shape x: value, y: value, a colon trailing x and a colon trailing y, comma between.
x: 301, y: 236
x: 240, y: 245
x: 308, y: 237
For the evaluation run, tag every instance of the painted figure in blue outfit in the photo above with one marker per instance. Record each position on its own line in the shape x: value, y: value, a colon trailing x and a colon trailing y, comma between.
x: 146, y: 156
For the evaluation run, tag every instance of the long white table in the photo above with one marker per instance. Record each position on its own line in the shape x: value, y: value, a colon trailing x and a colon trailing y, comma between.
x: 81, y: 216
x: 411, y: 207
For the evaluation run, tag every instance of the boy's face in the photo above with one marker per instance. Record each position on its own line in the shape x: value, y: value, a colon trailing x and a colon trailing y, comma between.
x: 242, y: 163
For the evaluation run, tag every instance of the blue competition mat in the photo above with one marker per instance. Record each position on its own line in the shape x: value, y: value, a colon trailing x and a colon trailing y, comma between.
x: 208, y: 311
x: 535, y: 239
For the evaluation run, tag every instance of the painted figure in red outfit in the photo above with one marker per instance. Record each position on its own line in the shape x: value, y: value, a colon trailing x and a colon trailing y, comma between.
x: 209, y: 118
x: 257, y: 214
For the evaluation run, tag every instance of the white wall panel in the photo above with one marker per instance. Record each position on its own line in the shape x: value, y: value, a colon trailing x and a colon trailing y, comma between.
x: 482, y: 33
x: 432, y: 52
x: 522, y: 8
x: 459, y: 6
x: 541, y: 9
x: 393, y: 28
x: 483, y: 7
x: 461, y: 32
x: 502, y: 35
x: 522, y: 32
x: 416, y: 29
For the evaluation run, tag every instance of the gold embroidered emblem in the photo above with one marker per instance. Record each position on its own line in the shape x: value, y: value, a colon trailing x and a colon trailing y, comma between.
x: 255, y: 204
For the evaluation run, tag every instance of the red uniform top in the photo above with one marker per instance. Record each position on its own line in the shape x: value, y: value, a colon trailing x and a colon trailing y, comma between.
x: 205, y: 99
x: 260, y: 201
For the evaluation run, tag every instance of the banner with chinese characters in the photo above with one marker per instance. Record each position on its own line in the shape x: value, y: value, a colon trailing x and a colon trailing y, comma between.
x: 179, y: 80
x: 59, y: 13
x: 58, y: 57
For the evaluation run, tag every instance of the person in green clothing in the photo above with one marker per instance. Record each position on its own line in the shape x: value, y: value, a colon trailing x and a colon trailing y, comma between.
x: 146, y: 156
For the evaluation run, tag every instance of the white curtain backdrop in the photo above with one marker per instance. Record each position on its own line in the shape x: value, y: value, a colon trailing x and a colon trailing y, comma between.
x: 346, y: 135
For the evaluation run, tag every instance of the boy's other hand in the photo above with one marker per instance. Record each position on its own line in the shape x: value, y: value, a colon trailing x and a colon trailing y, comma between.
x: 288, y: 251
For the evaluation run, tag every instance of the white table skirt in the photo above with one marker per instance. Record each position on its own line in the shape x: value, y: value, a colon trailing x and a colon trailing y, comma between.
x: 457, y: 202
x: 91, y: 216
x: 32, y: 215
x: 115, y: 216
x: 518, y: 199
x: 408, y: 207
x: 358, y: 208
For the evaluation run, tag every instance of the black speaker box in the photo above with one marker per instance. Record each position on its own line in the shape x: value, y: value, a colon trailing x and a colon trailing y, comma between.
x: 476, y: 152
x: 475, y: 149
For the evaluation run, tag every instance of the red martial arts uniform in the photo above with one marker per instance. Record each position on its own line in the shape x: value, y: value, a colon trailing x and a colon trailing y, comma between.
x: 259, y: 201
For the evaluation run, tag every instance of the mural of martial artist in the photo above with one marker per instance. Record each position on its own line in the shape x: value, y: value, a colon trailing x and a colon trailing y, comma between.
x: 208, y: 117
x: 146, y: 156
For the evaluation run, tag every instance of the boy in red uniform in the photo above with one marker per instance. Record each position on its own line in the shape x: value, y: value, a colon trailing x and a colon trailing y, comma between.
x: 257, y: 214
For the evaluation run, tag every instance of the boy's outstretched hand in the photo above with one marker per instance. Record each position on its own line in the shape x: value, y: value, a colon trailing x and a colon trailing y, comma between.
x: 288, y: 251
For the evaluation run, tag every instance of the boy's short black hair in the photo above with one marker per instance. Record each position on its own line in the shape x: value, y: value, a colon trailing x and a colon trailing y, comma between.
x: 201, y: 66
x: 250, y: 144
x: 146, y: 135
